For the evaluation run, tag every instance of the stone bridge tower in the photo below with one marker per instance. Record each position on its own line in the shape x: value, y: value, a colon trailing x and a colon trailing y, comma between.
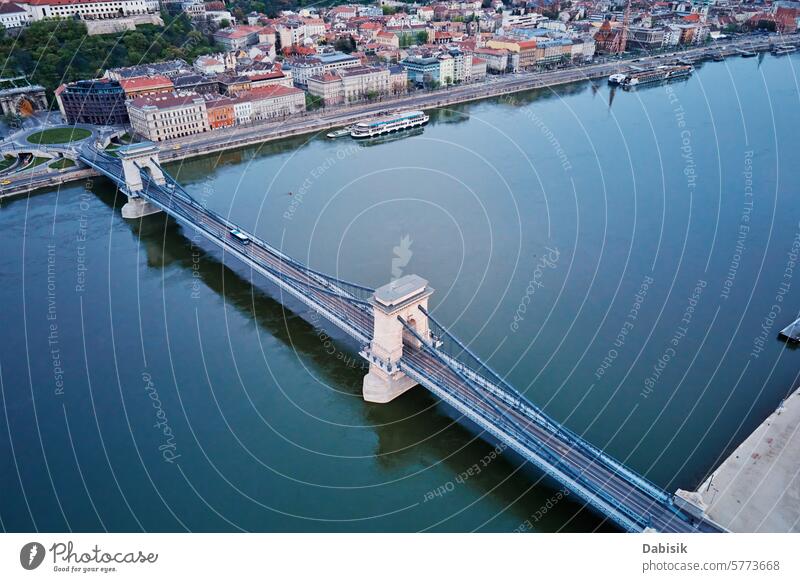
x: 402, y: 297
x: 135, y: 159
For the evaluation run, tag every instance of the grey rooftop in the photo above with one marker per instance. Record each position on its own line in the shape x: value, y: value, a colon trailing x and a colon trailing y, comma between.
x: 400, y: 290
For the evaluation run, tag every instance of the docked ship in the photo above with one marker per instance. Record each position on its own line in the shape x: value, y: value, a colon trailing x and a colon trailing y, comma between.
x: 656, y: 75
x: 389, y: 124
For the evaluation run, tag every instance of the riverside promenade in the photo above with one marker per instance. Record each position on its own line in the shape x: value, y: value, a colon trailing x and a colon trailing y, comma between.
x: 757, y: 488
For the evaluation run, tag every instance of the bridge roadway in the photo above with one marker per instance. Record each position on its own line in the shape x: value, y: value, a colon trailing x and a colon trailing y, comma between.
x: 320, y: 292
x: 604, y: 484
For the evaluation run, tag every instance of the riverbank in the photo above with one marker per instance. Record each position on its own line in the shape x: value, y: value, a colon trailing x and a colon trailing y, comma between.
x: 757, y: 488
x: 239, y: 137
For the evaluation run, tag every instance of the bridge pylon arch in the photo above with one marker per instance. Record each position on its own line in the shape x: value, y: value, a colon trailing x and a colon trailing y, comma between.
x: 400, y: 298
x: 137, y: 158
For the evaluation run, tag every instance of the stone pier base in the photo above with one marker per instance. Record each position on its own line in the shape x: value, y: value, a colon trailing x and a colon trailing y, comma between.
x: 382, y: 387
x: 138, y: 207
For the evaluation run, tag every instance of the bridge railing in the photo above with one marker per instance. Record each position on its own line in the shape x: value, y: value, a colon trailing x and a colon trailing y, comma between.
x: 513, y: 428
x: 354, y: 291
x: 351, y: 292
x: 453, y: 348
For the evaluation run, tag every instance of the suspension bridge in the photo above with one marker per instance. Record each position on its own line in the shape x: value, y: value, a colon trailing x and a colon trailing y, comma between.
x: 406, y: 346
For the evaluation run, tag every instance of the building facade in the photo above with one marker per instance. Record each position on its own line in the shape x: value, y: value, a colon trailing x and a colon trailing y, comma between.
x: 275, y: 101
x: 88, y: 9
x: 163, y: 117
x: 95, y: 101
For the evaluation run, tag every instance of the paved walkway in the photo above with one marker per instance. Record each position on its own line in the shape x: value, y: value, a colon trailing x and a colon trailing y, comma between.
x: 757, y: 488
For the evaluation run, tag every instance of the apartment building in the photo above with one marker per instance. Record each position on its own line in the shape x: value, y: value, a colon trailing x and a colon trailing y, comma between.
x: 168, y: 116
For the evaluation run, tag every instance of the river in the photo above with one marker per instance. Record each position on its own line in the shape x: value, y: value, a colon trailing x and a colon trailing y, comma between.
x: 625, y: 258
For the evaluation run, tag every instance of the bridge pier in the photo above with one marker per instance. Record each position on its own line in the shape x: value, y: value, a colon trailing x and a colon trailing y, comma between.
x: 135, y: 159
x: 400, y: 298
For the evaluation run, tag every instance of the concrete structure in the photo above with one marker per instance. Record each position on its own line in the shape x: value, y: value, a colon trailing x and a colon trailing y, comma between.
x: 136, y: 158
x: 19, y: 97
x: 757, y: 488
x: 115, y: 25
x: 400, y: 298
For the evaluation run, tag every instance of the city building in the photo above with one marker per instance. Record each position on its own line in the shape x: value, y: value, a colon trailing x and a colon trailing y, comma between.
x: 364, y: 83
x: 168, y: 116
x: 13, y: 16
x: 220, y: 111
x: 193, y: 83
x: 497, y: 60
x: 421, y: 70
x: 88, y: 9
x: 524, y: 49
x: 304, y: 67
x: 275, y: 101
x: 94, y: 101
x: 242, y: 110
x: 141, y: 86
x: 328, y: 87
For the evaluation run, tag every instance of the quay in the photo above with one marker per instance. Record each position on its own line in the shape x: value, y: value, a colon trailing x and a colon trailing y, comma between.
x: 757, y: 488
x: 239, y: 137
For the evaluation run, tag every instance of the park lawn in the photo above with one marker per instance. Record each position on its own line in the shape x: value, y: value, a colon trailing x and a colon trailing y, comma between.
x: 62, y: 164
x: 6, y: 162
x: 58, y: 135
x: 37, y: 161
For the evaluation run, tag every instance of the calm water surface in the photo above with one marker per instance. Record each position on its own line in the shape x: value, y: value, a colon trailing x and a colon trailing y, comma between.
x: 625, y: 258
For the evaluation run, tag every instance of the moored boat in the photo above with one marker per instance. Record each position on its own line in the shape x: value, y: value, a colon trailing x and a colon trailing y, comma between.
x: 340, y: 132
x: 389, y: 124
x: 617, y: 78
x: 656, y: 75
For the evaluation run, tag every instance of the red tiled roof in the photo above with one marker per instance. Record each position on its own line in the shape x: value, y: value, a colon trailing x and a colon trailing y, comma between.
x: 271, y: 91
x: 62, y: 2
x: 144, y: 83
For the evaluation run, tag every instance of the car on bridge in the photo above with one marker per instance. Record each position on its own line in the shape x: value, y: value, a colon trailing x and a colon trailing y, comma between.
x: 240, y: 236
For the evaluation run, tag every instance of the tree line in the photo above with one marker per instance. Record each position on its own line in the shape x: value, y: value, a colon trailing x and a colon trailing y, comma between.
x: 51, y: 52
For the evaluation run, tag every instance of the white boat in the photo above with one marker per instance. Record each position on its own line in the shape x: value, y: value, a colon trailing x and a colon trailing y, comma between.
x: 617, y: 78
x: 389, y: 124
x: 341, y: 132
